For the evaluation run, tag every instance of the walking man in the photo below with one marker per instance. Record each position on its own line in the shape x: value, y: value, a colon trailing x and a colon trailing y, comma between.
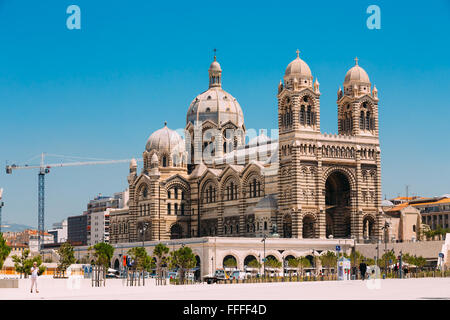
x: 34, y: 276
x: 363, y: 269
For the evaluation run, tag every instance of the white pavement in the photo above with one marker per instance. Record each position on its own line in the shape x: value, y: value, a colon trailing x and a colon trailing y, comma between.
x: 390, y: 289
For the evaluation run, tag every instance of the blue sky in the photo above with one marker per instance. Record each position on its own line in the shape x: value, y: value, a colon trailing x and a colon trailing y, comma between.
x: 100, y: 91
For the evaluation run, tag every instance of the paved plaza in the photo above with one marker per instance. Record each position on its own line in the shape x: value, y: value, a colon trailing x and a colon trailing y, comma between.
x: 390, y: 289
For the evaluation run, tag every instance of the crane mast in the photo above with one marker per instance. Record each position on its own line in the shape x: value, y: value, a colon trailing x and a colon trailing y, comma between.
x: 43, y: 170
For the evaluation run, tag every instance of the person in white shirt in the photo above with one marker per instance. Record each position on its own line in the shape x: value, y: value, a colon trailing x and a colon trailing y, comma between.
x: 34, y: 276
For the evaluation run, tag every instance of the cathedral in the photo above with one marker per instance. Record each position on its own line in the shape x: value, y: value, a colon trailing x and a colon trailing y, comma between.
x: 304, y: 184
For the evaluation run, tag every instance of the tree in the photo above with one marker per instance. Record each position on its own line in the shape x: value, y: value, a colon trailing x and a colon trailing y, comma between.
x: 160, y: 252
x: 66, y: 257
x: 103, y: 253
x: 273, y: 263
x: 23, y: 264
x: 142, y: 259
x: 254, y: 264
x: 303, y: 262
x: 230, y: 263
x: 329, y: 260
x: 182, y: 259
x: 5, y: 250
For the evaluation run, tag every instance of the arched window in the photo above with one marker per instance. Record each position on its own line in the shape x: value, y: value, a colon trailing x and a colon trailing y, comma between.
x: 182, y: 209
x: 169, y: 194
x: 169, y: 208
x: 361, y: 120
x: 265, y: 225
x: 368, y: 120
x: 302, y: 115
x: 176, y: 193
x: 237, y: 228
x: 308, y: 116
x: 164, y: 161
x: 176, y: 209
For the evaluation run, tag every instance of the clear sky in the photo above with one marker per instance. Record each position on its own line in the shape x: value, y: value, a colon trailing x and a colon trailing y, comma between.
x: 99, y: 92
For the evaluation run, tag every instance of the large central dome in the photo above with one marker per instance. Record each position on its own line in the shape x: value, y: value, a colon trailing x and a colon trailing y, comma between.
x: 215, y: 104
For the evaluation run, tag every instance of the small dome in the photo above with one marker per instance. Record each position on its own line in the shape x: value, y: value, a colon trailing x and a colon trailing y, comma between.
x: 215, y: 66
x: 386, y: 203
x: 154, y: 159
x: 298, y: 68
x: 268, y: 202
x: 165, y: 140
x: 356, y: 74
x: 133, y: 163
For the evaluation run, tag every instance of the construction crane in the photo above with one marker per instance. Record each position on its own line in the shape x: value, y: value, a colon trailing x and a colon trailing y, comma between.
x: 1, y: 206
x: 45, y: 169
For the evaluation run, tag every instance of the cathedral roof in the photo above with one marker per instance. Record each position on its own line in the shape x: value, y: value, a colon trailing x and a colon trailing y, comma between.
x: 356, y: 74
x: 298, y: 68
x: 165, y: 140
x: 215, y: 104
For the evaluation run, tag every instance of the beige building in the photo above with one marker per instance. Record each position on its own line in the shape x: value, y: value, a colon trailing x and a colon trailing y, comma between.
x: 305, y: 184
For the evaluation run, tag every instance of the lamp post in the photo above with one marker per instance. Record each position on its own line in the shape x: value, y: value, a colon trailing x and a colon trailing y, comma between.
x: 212, y: 266
x: 142, y: 230
x: 385, y: 229
x: 264, y: 254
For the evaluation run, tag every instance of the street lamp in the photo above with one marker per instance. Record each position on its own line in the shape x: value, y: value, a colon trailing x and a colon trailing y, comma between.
x: 385, y: 228
x: 212, y: 265
x: 264, y: 256
x: 142, y: 230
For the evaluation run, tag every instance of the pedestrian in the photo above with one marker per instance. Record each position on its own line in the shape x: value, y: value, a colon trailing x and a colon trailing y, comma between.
x: 34, y: 276
x: 363, y: 269
x: 355, y: 272
x: 405, y: 270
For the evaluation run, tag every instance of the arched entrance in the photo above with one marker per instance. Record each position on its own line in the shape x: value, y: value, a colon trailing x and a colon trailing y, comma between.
x: 368, y: 227
x: 229, y: 262
x: 248, y: 260
x: 287, y: 226
x: 117, y: 264
x: 308, y: 227
x: 338, y: 205
x: 176, y: 232
x: 197, y: 272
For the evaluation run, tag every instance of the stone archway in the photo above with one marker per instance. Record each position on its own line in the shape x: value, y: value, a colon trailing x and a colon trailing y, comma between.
x: 309, y: 230
x: 287, y: 226
x: 229, y: 261
x: 197, y: 273
x: 116, y: 264
x: 176, y: 231
x: 338, y: 205
x: 368, y: 227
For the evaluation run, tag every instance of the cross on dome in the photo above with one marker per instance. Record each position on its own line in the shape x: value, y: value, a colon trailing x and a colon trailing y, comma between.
x: 356, y: 60
x: 298, y: 53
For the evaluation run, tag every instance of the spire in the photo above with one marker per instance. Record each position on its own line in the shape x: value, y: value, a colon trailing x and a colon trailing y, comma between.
x: 215, y: 73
